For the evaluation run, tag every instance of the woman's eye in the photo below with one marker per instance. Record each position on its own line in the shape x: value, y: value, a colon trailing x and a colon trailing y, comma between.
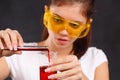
x: 74, y: 25
x: 57, y: 20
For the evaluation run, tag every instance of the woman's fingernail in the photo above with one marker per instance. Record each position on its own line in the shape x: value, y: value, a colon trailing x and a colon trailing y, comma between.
x: 10, y: 47
x: 47, y: 70
x: 21, y: 45
x: 1, y: 47
x: 51, y: 77
x: 15, y: 47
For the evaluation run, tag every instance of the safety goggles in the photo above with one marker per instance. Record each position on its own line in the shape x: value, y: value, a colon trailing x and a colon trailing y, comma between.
x: 57, y: 24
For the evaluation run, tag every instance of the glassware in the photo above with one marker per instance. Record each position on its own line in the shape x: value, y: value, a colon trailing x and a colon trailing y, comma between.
x: 44, y: 75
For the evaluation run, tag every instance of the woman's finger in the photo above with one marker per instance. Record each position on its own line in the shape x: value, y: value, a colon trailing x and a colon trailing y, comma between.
x: 9, y: 53
x: 19, y: 38
x: 13, y: 38
x: 1, y: 44
x: 6, y: 40
x: 64, y: 66
x: 69, y: 73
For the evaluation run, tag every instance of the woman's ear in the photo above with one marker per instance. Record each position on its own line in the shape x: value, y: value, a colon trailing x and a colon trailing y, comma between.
x: 46, y: 8
x: 45, y: 19
x: 91, y: 20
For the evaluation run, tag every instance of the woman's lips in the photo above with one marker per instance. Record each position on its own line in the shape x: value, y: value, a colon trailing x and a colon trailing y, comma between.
x: 62, y: 41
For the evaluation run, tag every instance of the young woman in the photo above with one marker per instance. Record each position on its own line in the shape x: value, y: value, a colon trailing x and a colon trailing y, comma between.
x: 67, y: 31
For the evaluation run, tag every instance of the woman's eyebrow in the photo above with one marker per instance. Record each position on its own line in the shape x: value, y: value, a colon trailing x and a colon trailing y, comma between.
x: 58, y: 15
x: 67, y: 19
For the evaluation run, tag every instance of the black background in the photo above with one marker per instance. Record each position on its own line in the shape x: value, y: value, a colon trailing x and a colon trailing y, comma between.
x: 26, y: 17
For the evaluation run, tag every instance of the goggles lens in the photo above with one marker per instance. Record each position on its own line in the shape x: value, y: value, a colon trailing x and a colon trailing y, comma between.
x: 57, y: 24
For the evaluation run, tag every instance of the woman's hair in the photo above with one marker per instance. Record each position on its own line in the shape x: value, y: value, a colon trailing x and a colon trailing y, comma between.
x: 81, y: 45
x: 87, y: 5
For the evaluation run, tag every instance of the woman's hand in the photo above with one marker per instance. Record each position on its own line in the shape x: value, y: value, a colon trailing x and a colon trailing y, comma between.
x: 9, y: 39
x: 69, y: 67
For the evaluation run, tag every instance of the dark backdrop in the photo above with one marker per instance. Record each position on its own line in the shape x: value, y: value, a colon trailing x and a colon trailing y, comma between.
x: 26, y: 16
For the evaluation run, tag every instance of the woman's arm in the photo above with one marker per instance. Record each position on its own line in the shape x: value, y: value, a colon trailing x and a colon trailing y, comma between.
x: 4, y: 69
x: 9, y: 39
x: 102, y: 72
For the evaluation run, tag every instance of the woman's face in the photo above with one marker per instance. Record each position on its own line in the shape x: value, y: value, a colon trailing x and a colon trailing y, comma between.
x: 69, y: 12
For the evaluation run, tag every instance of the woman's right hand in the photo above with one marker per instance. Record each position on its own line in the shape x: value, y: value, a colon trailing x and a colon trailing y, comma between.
x: 10, y: 39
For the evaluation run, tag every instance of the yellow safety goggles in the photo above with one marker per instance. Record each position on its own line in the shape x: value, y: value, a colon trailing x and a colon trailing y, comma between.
x: 57, y: 24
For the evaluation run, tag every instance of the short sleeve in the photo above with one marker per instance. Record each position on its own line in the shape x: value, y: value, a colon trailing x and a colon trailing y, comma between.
x: 100, y: 57
x: 91, y: 60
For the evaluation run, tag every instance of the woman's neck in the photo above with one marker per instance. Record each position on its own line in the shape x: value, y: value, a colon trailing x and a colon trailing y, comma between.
x: 52, y: 47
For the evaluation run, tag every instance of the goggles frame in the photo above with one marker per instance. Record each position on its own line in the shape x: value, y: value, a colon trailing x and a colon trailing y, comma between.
x: 57, y: 24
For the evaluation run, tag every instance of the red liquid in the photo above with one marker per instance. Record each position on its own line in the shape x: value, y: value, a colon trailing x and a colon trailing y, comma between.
x: 32, y: 48
x: 44, y: 75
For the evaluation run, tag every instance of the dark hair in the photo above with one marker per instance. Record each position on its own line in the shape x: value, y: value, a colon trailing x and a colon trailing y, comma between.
x: 81, y: 45
x: 87, y: 4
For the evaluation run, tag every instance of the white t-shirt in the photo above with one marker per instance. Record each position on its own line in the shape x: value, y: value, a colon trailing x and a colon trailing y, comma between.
x: 26, y: 66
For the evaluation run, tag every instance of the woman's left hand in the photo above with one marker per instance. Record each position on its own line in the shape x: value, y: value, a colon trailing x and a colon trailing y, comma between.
x: 69, y: 67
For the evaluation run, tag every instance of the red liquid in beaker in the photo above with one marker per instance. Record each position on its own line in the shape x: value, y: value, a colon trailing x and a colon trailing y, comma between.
x: 44, y: 75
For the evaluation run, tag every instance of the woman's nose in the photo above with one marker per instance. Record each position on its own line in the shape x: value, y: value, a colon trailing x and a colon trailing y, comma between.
x: 63, y: 33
